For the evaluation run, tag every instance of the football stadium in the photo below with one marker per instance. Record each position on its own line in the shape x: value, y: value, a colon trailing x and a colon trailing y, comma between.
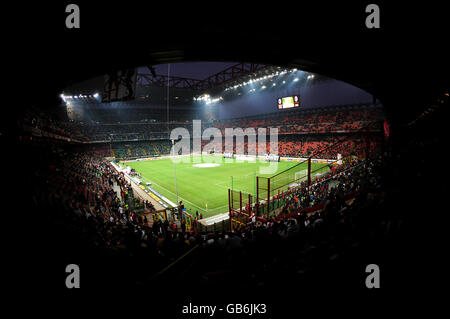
x: 258, y: 147
x: 247, y: 163
x: 183, y: 148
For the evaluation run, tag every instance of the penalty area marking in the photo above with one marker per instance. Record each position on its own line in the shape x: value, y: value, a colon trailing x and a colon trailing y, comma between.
x: 185, y: 200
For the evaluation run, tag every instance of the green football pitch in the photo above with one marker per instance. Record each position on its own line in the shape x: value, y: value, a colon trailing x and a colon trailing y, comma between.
x: 203, y: 181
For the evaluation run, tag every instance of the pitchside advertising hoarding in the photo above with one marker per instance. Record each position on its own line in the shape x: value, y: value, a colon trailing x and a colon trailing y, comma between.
x: 288, y: 102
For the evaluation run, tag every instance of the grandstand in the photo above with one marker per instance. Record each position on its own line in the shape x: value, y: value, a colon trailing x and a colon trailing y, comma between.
x: 299, y: 132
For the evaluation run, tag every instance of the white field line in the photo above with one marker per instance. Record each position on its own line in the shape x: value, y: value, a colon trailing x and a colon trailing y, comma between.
x: 185, y: 200
x: 220, y: 185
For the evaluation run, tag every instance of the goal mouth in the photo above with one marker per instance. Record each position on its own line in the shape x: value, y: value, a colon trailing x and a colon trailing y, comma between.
x: 206, y: 165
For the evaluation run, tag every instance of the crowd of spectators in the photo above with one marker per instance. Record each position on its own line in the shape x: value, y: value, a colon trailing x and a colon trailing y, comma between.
x: 328, y: 146
x: 345, y: 179
x: 39, y: 123
x: 125, y: 131
x: 132, y: 114
x: 339, y: 120
x: 141, y: 149
x: 318, y: 146
x: 90, y: 195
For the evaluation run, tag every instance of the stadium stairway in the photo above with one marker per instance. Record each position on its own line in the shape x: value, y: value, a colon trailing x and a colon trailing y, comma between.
x: 116, y: 188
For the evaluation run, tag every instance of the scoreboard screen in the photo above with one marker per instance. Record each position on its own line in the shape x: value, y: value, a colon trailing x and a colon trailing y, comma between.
x: 288, y: 102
